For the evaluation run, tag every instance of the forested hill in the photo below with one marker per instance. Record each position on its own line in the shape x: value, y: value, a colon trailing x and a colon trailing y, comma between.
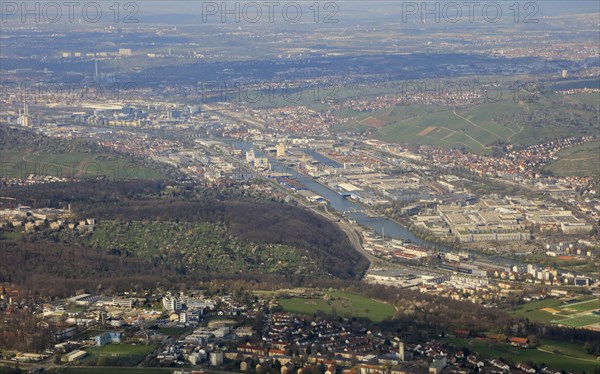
x: 207, y: 230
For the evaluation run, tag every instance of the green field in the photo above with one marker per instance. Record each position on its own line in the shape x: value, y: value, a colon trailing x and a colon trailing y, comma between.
x: 478, y: 127
x: 117, y: 354
x: 444, y: 129
x: 342, y: 304
x: 565, y: 348
x: 585, y: 98
x: 360, y: 121
x: 580, y: 161
x: 77, y: 165
x: 533, y: 310
x: 475, y: 128
x: 577, y: 314
x: 580, y: 321
x: 583, y: 306
x: 13, y: 235
x: 554, y: 354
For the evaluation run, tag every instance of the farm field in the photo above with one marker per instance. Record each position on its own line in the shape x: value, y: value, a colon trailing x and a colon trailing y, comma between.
x: 475, y: 129
x: 341, y: 304
x: 480, y: 127
x: 576, y: 314
x: 78, y: 165
x: 583, y: 306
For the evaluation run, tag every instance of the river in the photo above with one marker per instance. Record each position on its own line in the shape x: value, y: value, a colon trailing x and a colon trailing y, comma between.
x: 352, y: 210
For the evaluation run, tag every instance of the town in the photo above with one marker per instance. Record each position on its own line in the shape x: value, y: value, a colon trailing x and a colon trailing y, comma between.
x: 360, y: 189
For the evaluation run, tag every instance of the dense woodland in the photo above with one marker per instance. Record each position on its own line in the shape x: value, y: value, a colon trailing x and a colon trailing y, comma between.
x: 248, y: 217
x: 254, y: 222
x: 43, y: 269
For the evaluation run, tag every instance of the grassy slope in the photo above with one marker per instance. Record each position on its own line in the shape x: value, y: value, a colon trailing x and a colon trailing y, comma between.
x: 478, y: 127
x: 581, y: 160
x: 344, y: 303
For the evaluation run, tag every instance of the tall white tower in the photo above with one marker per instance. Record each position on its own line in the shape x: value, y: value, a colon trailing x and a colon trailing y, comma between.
x: 24, y: 117
x: 401, y: 351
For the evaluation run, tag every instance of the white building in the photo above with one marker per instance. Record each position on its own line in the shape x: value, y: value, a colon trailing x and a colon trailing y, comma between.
x: 172, y: 303
x: 216, y: 358
x: 76, y: 355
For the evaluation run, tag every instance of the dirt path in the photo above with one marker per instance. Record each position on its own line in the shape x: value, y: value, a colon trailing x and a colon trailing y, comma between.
x: 476, y: 125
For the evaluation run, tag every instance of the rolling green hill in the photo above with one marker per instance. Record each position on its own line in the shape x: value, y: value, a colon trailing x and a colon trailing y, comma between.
x: 24, y: 152
x: 580, y: 161
x: 195, y: 231
x: 483, y: 127
x: 76, y: 165
x: 205, y: 247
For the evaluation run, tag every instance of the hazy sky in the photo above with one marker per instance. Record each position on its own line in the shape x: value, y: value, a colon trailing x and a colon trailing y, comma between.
x: 358, y: 7
x: 357, y: 11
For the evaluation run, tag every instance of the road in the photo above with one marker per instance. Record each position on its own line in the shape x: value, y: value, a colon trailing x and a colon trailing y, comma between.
x: 353, y: 235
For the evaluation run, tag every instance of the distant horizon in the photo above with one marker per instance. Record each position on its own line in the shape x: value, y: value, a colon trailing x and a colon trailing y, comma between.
x: 354, y: 12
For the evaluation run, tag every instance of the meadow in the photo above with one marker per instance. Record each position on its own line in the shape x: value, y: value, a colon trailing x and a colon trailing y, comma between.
x: 576, y: 314
x: 338, y: 303
x: 117, y: 354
